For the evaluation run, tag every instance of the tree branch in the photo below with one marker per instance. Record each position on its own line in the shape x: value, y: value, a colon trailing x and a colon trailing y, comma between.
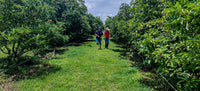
x: 17, y: 48
x: 3, y: 51
x: 7, y: 49
x: 13, y: 48
x: 22, y: 52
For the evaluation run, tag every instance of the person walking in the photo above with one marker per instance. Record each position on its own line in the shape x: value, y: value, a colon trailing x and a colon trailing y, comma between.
x: 99, y: 35
x: 106, y: 37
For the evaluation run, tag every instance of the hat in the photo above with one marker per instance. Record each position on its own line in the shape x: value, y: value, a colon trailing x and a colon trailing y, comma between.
x: 99, y: 27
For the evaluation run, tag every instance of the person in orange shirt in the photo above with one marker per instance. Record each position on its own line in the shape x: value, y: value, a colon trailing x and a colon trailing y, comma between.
x: 106, y: 37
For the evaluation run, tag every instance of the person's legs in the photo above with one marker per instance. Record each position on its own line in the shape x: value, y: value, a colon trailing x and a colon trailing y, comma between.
x: 107, y: 42
x: 97, y: 42
x: 100, y: 43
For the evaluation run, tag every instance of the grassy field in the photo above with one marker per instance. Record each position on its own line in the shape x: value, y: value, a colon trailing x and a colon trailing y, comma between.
x: 84, y: 68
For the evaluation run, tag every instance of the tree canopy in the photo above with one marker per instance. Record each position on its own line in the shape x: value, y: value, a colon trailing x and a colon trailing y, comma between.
x: 165, y: 34
x: 37, y: 25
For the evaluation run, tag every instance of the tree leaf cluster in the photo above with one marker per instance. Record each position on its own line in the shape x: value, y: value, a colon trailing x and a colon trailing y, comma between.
x: 39, y: 25
x: 166, y: 34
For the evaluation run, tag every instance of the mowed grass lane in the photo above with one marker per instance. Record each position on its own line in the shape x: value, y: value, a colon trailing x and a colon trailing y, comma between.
x: 84, y: 68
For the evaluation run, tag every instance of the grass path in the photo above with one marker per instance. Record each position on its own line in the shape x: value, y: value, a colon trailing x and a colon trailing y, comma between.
x: 84, y: 68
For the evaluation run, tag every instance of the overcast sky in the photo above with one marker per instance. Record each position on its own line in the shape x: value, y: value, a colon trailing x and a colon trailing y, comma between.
x: 104, y: 8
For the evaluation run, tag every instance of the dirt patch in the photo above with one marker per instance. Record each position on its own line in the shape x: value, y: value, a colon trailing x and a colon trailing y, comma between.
x: 7, y: 84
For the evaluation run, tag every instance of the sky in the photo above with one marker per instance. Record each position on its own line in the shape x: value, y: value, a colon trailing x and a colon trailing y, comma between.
x: 104, y: 8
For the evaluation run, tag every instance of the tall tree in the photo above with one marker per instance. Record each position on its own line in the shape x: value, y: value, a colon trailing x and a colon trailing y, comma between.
x: 124, y: 12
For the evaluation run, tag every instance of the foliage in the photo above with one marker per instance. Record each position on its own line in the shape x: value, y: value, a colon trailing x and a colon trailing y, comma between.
x: 19, y: 41
x: 38, y: 25
x: 94, y: 23
x: 166, y: 34
x: 18, y: 30
x: 78, y: 24
x: 22, y: 13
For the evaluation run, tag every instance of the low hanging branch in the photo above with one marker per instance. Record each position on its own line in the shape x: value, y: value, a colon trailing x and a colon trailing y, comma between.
x: 9, y: 51
x: 3, y: 51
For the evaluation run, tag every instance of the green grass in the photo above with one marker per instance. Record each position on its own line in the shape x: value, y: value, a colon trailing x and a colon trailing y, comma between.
x: 84, y: 68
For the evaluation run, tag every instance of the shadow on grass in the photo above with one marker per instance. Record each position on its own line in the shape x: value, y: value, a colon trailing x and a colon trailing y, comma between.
x: 35, y: 67
x: 150, y: 78
x: 122, y: 52
x: 63, y: 49
x: 155, y: 81
x: 82, y: 43
x: 79, y: 43
x: 29, y: 70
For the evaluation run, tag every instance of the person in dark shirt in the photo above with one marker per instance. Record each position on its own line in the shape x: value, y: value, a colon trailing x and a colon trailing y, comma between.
x: 99, y: 35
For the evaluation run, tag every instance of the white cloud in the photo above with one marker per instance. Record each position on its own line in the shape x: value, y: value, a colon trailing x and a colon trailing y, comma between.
x: 89, y: 5
x: 104, y: 8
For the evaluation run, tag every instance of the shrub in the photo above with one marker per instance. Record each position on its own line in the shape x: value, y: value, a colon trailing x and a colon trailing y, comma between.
x: 167, y: 36
x: 19, y: 41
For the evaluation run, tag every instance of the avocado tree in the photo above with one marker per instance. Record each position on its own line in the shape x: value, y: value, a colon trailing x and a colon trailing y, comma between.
x: 18, y: 30
x: 39, y: 25
x: 165, y: 34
